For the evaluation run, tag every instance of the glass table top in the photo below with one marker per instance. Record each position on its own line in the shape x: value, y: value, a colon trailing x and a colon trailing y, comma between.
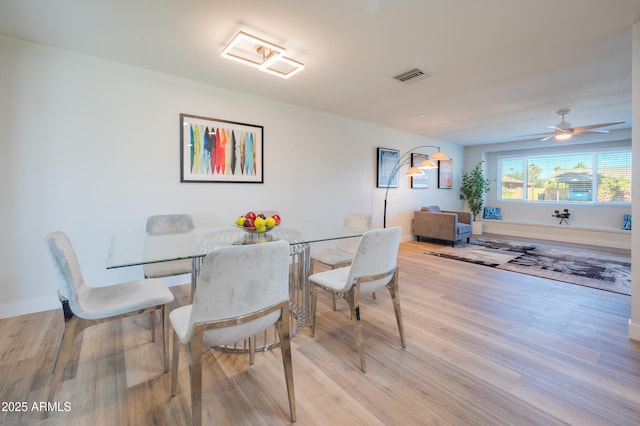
x: 143, y: 248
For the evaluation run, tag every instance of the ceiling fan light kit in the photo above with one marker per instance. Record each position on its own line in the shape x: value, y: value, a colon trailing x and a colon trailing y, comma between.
x: 564, y: 131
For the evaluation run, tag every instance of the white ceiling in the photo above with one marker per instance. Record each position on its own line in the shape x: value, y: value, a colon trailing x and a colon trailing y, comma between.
x: 499, y: 68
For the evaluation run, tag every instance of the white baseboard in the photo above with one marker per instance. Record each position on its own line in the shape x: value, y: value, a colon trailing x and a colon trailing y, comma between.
x: 28, y: 307
x: 614, y: 238
x: 634, y: 330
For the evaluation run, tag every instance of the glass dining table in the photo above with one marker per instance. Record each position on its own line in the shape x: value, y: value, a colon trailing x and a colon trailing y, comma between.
x: 142, y: 248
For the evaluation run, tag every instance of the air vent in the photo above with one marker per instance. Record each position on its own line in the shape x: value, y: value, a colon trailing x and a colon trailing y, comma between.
x: 410, y: 76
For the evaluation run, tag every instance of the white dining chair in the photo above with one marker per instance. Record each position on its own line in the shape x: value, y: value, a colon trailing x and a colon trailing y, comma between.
x: 342, y: 252
x: 374, y: 266
x: 241, y: 291
x: 168, y: 224
x: 84, y: 306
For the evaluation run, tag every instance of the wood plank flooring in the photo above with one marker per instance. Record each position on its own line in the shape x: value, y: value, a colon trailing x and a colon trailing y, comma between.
x: 484, y: 347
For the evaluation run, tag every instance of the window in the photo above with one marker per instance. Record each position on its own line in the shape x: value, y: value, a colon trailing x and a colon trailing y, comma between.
x: 590, y: 177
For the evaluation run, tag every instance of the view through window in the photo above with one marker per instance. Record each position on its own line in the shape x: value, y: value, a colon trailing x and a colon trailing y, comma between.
x: 590, y: 177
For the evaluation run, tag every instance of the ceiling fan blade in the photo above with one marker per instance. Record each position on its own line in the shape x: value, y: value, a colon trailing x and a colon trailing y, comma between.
x: 535, y: 134
x: 547, y: 138
x: 594, y: 126
x: 596, y: 131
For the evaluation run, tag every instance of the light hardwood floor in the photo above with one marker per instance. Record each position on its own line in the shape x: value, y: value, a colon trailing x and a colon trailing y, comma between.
x: 484, y: 347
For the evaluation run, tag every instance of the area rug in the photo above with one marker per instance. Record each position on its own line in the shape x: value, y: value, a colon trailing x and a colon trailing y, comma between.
x: 575, y: 266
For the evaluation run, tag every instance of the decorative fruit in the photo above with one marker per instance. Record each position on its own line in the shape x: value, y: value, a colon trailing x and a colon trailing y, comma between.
x: 258, y: 223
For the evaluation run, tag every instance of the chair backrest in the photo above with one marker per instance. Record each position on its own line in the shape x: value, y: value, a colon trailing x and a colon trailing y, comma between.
x: 354, y: 222
x: 237, y: 281
x: 359, y: 222
x: 71, y: 286
x: 169, y: 224
x: 377, y: 254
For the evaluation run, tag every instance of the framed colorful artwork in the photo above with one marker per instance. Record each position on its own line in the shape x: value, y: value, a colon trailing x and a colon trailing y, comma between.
x: 419, y: 182
x: 386, y: 170
x: 213, y: 150
x: 445, y: 174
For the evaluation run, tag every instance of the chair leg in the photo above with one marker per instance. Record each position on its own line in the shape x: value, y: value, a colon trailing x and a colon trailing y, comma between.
x: 174, y: 367
x: 354, y: 298
x: 72, y: 328
x: 285, y: 348
x: 164, y: 311
x: 395, y: 299
x: 152, y: 325
x: 314, y: 303
x: 196, y: 378
x: 252, y: 350
x: 333, y: 301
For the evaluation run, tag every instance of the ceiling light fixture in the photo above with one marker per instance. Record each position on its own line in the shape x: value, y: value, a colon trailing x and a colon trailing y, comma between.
x: 563, y: 136
x: 262, y: 54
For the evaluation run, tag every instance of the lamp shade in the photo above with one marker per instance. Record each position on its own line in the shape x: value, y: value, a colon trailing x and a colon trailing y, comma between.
x: 414, y: 171
x: 439, y: 156
x: 427, y: 164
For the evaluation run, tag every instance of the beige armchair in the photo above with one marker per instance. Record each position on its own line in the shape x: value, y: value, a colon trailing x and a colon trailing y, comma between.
x: 431, y: 222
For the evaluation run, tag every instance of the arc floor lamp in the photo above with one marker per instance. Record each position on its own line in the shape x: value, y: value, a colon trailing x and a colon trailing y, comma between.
x: 404, y: 160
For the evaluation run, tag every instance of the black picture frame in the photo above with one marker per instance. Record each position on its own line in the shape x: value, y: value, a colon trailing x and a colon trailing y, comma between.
x: 220, y: 151
x: 387, y: 176
x: 445, y: 174
x: 419, y: 182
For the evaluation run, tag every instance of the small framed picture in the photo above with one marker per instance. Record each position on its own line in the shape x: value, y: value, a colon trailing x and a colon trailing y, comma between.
x: 386, y: 170
x: 445, y: 174
x: 419, y: 182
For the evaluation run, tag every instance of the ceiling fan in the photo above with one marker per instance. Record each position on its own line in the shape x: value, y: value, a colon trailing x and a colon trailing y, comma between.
x: 564, y: 131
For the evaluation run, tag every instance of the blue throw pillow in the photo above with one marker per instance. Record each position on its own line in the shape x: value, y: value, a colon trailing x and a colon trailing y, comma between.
x: 493, y: 213
x: 627, y: 222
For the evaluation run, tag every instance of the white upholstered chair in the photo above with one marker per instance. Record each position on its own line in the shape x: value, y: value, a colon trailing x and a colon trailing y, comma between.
x: 240, y: 292
x: 84, y: 306
x: 374, y: 266
x: 343, y: 251
x: 168, y: 224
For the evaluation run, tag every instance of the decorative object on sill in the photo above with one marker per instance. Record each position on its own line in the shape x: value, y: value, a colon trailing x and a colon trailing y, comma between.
x: 388, y: 169
x: 563, y: 216
x: 492, y: 213
x: 587, y: 267
x: 262, y: 54
x: 627, y: 222
x: 213, y: 150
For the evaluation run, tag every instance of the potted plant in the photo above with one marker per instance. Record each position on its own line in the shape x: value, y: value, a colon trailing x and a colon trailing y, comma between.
x: 472, y: 189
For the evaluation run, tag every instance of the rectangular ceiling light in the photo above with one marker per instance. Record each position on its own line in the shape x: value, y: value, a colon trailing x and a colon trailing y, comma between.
x: 284, y: 67
x: 266, y: 56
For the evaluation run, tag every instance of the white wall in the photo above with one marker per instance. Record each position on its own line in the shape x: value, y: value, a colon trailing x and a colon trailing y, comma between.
x: 91, y: 147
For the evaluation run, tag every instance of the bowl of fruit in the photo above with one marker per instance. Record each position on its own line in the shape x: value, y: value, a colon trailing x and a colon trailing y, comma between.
x: 257, y: 223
